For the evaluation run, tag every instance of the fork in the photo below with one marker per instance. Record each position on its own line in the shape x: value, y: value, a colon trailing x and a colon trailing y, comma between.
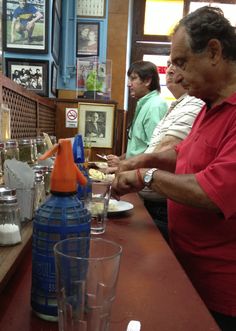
x: 103, y: 156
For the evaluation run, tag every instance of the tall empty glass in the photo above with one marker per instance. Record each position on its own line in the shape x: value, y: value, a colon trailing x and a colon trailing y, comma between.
x: 86, y: 272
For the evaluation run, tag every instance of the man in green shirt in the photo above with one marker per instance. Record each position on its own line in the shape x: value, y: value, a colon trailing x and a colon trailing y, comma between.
x: 144, y: 85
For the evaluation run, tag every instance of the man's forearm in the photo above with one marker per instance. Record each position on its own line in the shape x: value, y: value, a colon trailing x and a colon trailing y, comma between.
x: 164, y: 160
x: 182, y: 189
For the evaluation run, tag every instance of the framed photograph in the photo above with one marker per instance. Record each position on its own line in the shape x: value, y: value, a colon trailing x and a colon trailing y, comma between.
x: 91, y: 8
x: 54, y: 79
x: 25, y: 26
x: 87, y: 39
x: 96, y: 121
x: 31, y: 74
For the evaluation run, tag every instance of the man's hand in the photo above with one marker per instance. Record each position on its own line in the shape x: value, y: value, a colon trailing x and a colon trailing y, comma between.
x: 127, y: 182
x: 113, y: 160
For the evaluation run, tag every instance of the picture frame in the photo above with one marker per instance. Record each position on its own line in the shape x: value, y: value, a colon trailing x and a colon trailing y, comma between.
x: 25, y: 39
x: 31, y: 74
x: 56, y: 29
x: 88, y: 35
x: 102, y: 133
x: 57, y: 5
x: 54, y: 73
x: 91, y: 8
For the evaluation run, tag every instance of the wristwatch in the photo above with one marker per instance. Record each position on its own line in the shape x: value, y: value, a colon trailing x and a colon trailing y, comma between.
x: 148, y: 177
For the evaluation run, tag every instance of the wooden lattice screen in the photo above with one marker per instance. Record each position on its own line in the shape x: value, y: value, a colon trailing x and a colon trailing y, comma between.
x: 30, y: 114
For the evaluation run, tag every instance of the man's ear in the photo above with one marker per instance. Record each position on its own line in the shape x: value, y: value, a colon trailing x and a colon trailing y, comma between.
x: 147, y: 82
x: 214, y: 49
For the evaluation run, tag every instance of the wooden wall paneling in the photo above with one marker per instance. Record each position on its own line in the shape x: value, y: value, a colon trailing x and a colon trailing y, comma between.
x: 30, y: 113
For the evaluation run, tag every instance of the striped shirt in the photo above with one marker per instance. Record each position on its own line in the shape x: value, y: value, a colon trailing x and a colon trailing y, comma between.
x: 177, y: 122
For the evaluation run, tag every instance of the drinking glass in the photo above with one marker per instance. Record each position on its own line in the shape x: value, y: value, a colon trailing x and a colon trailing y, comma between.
x: 86, y: 275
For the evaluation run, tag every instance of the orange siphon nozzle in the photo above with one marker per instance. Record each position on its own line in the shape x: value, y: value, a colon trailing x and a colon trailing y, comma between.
x: 65, y: 174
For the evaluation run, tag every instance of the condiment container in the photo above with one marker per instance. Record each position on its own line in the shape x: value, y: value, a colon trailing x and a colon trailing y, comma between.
x: 4, y: 190
x: 39, y: 190
x: 41, y: 145
x: 46, y: 173
x: 10, y: 229
x: 11, y: 150
x: 26, y: 150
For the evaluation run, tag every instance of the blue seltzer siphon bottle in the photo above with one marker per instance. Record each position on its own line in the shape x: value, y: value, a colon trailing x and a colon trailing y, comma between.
x: 61, y: 216
x: 79, y: 158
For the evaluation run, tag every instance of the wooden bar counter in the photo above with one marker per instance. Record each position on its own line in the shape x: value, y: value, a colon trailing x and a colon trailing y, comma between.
x: 152, y: 286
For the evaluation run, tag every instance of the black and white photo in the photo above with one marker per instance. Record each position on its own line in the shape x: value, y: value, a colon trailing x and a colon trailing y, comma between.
x: 96, y: 122
x: 87, y: 39
x: 31, y: 74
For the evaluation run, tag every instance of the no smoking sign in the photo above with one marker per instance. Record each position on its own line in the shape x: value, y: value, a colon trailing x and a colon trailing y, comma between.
x: 71, y: 117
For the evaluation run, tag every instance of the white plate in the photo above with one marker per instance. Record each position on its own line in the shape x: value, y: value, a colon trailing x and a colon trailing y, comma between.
x: 101, y: 165
x: 119, y: 206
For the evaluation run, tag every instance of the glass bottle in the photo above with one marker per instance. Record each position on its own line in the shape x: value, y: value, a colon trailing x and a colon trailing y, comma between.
x: 26, y: 150
x: 10, y: 227
x: 1, y: 161
x: 11, y: 150
x: 5, y: 122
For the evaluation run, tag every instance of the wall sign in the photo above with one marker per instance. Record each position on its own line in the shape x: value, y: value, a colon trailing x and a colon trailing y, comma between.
x: 91, y: 8
x: 71, y: 117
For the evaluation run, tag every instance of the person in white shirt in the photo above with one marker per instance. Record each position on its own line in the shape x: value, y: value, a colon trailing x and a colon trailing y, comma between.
x: 172, y: 129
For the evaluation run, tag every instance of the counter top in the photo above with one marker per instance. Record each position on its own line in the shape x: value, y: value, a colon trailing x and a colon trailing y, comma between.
x: 10, y: 256
x: 152, y: 286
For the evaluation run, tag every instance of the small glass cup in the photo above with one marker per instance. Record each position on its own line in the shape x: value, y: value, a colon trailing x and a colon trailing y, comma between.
x: 97, y: 203
x: 87, y: 271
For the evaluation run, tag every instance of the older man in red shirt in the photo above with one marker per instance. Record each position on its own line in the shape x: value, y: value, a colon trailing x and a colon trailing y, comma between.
x: 198, y: 176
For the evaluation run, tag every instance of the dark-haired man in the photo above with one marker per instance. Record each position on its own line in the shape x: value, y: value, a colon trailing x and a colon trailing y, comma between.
x: 144, y: 85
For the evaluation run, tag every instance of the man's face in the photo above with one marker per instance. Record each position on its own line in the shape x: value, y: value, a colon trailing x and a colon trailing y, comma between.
x: 170, y: 74
x: 22, y: 3
x: 95, y: 117
x: 137, y: 87
x: 84, y: 33
x: 193, y: 70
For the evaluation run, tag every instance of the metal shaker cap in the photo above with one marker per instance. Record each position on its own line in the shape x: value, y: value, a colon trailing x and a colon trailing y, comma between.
x: 4, y: 190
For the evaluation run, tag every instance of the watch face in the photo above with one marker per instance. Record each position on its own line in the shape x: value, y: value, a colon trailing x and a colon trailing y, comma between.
x: 147, y: 178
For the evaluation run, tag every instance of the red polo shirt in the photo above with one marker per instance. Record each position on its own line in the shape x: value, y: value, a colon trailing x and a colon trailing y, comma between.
x: 205, y: 242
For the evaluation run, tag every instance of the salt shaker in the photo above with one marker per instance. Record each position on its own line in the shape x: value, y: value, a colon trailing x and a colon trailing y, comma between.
x: 10, y: 229
x: 39, y: 195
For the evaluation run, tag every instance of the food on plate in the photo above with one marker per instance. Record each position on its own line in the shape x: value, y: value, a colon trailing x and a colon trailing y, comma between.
x: 96, y: 174
x: 112, y: 207
x: 99, y: 175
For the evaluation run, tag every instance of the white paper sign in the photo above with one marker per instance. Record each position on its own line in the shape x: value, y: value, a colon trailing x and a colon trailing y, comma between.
x: 71, y: 117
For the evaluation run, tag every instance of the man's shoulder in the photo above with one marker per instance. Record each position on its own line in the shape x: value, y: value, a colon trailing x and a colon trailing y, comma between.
x: 156, y: 99
x: 191, y: 100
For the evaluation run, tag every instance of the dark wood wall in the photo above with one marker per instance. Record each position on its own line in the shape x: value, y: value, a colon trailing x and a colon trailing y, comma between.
x: 30, y: 113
